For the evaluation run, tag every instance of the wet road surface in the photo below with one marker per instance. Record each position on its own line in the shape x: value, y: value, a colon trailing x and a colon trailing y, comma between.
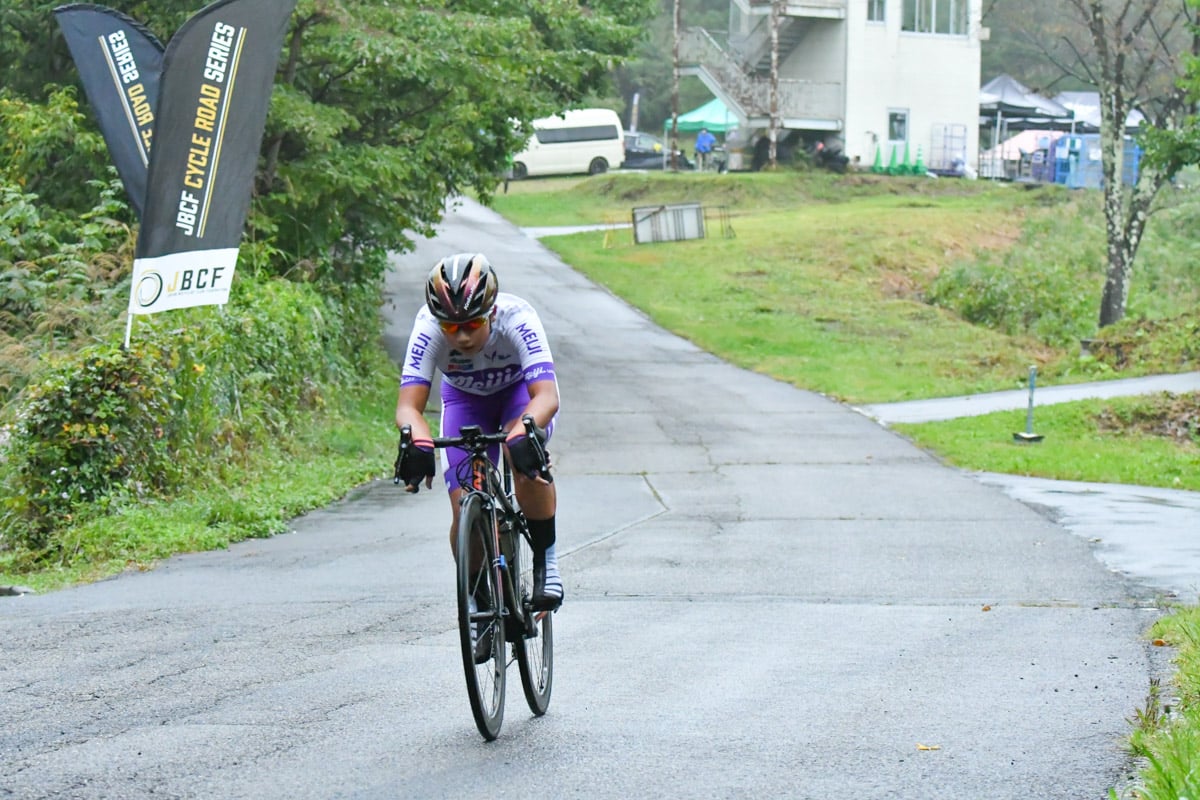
x: 768, y: 595
x: 1146, y: 533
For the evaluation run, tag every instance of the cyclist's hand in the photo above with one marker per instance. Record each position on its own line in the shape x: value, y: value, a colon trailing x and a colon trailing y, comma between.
x: 528, y: 454
x: 414, y: 464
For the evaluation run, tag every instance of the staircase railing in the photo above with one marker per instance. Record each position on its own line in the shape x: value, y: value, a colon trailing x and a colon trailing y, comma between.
x: 697, y: 47
x: 798, y: 99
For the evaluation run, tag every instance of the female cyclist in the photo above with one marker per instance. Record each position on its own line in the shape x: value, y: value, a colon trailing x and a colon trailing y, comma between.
x: 496, y: 368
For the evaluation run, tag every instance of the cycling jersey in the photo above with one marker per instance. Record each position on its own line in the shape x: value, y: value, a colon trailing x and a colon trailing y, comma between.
x: 516, y: 352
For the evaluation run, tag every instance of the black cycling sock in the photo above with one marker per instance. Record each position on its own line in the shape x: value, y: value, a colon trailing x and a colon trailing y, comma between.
x: 541, y: 534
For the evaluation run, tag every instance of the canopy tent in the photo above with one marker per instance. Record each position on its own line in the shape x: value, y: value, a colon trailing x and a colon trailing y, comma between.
x: 1086, y: 106
x: 712, y: 115
x: 1005, y: 101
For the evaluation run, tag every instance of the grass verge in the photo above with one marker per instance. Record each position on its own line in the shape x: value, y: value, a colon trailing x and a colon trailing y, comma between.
x: 1084, y: 441
x: 252, y: 497
x: 830, y: 295
x: 1167, y: 730
x: 826, y: 281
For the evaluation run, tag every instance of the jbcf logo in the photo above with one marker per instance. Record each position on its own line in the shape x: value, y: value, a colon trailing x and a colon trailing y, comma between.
x: 188, y: 279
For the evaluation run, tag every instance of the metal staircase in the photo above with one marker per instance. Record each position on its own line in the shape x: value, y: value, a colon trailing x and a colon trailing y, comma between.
x: 811, y: 104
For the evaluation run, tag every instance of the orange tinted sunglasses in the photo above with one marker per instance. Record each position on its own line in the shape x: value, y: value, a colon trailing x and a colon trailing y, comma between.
x: 470, y: 325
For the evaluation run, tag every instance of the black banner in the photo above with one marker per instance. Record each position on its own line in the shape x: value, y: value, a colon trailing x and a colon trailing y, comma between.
x: 119, y: 63
x: 217, y: 75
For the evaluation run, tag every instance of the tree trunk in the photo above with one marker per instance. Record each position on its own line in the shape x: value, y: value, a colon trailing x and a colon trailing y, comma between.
x: 295, y: 42
x: 773, y: 129
x: 1126, y: 209
x: 675, y: 87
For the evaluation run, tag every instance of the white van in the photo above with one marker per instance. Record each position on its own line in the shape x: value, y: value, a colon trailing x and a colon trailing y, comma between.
x: 585, y: 140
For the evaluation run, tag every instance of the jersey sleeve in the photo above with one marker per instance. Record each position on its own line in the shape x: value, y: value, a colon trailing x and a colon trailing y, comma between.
x: 424, y: 347
x: 537, y: 364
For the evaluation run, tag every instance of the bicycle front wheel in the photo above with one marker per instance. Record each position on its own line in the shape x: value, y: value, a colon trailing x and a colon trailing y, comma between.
x: 480, y: 627
x: 535, y: 654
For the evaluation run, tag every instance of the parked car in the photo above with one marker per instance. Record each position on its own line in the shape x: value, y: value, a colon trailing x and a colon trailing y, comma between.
x: 647, y: 151
x: 585, y: 140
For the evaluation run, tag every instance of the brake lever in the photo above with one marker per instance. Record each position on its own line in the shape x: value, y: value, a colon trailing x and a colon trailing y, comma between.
x: 531, y: 430
x: 405, y: 443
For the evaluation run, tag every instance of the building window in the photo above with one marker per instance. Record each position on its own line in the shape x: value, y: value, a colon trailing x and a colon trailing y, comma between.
x: 898, y: 126
x: 875, y: 10
x: 935, y: 16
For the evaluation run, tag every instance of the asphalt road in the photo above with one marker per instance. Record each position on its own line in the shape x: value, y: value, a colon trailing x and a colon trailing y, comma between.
x: 768, y: 595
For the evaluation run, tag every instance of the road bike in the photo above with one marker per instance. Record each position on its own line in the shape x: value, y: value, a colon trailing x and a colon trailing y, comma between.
x: 494, y: 561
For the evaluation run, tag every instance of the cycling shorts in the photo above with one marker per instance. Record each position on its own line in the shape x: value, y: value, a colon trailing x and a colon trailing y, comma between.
x: 490, y: 412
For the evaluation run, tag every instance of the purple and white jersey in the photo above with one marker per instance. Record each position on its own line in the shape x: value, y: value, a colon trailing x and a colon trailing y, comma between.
x: 516, y: 351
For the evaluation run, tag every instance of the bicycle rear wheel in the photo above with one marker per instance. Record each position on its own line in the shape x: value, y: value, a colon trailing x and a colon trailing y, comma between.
x: 535, y: 654
x: 480, y: 588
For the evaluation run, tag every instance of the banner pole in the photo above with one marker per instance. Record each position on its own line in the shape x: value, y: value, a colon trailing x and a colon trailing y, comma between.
x: 128, y: 331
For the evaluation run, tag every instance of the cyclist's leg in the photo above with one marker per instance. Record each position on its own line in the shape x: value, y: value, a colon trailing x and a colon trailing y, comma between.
x: 458, y: 409
x: 539, y: 502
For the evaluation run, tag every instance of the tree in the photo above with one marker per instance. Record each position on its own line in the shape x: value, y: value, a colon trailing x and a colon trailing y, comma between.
x: 1132, y: 52
x: 1138, y: 47
x: 1176, y: 149
x: 383, y: 108
x: 650, y: 72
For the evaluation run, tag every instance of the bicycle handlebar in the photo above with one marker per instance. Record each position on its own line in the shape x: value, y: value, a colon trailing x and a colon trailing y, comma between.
x: 471, y: 437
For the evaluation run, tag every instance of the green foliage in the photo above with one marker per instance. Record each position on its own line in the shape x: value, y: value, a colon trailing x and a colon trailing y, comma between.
x: 398, y: 102
x: 1165, y: 345
x: 89, y: 430
x: 204, y: 386
x: 1045, y: 287
x: 60, y: 276
x: 31, y: 48
x: 650, y: 72
x: 51, y: 150
x: 1048, y: 283
x: 1085, y: 441
x: 256, y: 495
x: 1022, y: 35
x: 1170, y: 747
x: 1172, y: 150
x: 392, y: 101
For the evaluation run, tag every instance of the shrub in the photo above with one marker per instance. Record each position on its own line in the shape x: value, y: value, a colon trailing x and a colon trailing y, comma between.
x: 1169, y: 345
x: 60, y: 276
x: 90, y: 429
x: 198, y: 388
x: 1047, y: 286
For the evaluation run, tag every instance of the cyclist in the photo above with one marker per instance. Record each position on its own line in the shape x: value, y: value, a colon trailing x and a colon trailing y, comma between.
x: 496, y: 368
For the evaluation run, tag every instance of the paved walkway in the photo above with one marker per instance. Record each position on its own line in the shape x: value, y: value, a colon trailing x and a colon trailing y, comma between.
x: 975, y: 405
x: 1149, y: 534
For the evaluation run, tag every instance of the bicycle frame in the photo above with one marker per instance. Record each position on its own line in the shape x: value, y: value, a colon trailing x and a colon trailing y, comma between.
x: 493, y: 484
x: 489, y: 498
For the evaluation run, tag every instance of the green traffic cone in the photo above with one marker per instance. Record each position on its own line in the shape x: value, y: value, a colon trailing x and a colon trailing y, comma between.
x: 878, y: 165
x: 891, y: 168
x: 919, y: 167
x: 907, y: 169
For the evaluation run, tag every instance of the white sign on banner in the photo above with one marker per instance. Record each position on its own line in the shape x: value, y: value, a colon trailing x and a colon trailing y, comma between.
x: 182, y: 280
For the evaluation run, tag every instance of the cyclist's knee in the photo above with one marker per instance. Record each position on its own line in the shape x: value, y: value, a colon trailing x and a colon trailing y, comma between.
x: 537, y: 499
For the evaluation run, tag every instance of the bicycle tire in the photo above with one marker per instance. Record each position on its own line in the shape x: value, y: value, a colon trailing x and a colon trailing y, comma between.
x: 485, y: 682
x: 535, y: 654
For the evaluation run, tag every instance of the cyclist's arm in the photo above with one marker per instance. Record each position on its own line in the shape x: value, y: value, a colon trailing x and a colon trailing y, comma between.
x: 410, y: 409
x: 543, y: 405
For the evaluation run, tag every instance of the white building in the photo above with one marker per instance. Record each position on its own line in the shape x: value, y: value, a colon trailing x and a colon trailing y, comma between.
x: 868, y: 76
